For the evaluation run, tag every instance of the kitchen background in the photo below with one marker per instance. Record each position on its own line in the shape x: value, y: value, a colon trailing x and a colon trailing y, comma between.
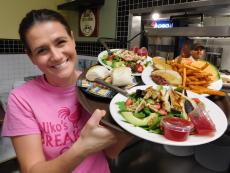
x: 15, y: 65
x: 113, y: 23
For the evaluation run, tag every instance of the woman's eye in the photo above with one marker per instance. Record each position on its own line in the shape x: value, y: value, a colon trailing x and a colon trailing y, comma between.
x: 61, y: 42
x: 41, y: 51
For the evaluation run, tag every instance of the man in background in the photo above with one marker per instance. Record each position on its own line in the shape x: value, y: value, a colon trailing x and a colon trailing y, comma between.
x: 197, y: 52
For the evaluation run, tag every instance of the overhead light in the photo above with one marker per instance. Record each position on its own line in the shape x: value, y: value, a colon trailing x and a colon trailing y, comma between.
x: 155, y: 16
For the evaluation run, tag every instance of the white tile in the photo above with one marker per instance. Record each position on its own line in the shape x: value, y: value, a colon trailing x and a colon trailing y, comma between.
x: 15, y: 67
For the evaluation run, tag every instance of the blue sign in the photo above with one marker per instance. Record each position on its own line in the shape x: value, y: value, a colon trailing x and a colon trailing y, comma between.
x: 162, y: 24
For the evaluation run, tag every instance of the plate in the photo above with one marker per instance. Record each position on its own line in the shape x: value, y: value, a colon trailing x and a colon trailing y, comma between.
x: 226, y: 80
x: 147, y: 80
x: 104, y: 53
x: 215, y: 113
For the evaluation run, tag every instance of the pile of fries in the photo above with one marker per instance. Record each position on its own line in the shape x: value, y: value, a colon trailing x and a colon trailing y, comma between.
x: 195, y: 79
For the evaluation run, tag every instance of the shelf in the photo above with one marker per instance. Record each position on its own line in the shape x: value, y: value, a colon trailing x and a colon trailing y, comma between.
x: 79, y: 4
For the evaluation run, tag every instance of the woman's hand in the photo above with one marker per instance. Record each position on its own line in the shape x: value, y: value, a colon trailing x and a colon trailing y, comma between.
x: 94, y: 137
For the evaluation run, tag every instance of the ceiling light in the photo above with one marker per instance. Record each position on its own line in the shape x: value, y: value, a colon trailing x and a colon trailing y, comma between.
x: 155, y: 16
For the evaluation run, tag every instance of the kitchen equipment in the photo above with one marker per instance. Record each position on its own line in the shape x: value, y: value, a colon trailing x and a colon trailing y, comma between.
x: 213, y: 55
x: 214, y: 155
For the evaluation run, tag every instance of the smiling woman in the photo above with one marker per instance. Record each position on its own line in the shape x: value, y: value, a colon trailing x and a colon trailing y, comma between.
x: 53, y: 51
x: 50, y: 130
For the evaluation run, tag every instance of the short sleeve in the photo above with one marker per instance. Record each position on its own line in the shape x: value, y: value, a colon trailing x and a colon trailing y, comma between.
x: 19, y: 118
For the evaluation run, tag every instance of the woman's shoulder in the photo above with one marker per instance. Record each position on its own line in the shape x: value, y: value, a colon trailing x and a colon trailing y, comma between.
x: 27, y: 86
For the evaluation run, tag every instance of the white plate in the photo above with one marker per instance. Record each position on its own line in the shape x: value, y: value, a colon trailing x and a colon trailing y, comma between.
x: 215, y: 113
x: 147, y: 80
x: 224, y: 83
x: 103, y: 53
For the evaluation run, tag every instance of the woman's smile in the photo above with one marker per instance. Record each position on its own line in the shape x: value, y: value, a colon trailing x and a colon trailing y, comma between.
x: 61, y: 65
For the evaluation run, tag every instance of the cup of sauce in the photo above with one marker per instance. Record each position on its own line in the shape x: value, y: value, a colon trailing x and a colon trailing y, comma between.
x: 176, y: 129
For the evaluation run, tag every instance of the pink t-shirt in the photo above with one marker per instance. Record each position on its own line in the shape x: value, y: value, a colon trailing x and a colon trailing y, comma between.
x: 54, y: 112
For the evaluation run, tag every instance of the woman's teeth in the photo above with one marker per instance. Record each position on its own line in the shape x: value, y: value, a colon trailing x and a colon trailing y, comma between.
x: 59, y: 66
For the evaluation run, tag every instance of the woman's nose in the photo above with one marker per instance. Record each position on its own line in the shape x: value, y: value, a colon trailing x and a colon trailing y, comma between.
x: 56, y: 54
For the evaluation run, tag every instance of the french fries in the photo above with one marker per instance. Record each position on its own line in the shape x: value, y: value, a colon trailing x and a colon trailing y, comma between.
x: 195, y: 79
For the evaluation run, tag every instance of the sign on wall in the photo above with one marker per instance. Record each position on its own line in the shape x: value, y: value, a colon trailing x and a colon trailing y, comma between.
x: 88, y: 23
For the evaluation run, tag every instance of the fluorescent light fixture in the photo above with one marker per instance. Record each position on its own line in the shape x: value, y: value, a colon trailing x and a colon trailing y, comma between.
x: 155, y: 16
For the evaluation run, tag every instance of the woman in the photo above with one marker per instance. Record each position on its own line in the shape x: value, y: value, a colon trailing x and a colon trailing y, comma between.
x: 50, y: 130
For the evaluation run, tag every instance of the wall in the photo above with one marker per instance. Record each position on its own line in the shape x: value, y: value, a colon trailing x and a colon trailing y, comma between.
x: 13, y: 68
x: 107, y: 21
x: 11, y: 13
x: 18, y: 9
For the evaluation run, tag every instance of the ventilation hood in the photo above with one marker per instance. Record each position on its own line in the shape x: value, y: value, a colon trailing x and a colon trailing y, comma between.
x: 206, y: 31
x: 206, y: 9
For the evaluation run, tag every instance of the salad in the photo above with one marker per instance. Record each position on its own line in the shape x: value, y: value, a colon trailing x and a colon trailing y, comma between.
x: 135, y: 58
x: 167, y: 112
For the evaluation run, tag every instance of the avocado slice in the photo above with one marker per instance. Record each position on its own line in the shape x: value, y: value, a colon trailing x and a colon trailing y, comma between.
x: 118, y: 64
x: 147, y: 121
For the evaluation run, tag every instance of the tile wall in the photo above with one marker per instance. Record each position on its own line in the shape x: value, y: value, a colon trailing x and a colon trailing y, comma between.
x: 13, y: 68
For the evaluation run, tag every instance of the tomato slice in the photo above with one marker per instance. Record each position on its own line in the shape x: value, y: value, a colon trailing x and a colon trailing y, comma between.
x: 110, y: 58
x: 196, y: 100
x: 139, y: 68
x: 128, y: 102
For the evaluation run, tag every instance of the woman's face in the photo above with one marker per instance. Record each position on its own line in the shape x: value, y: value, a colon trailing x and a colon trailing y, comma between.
x: 53, y: 51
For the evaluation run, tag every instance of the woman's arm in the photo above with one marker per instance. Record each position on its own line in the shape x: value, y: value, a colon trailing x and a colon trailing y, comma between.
x: 31, y: 158
x: 93, y: 138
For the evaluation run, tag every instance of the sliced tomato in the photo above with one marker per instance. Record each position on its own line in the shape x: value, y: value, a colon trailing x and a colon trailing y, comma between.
x: 163, y: 112
x: 157, y: 106
x: 196, y: 100
x: 139, y: 68
x: 110, y: 58
x: 128, y: 102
